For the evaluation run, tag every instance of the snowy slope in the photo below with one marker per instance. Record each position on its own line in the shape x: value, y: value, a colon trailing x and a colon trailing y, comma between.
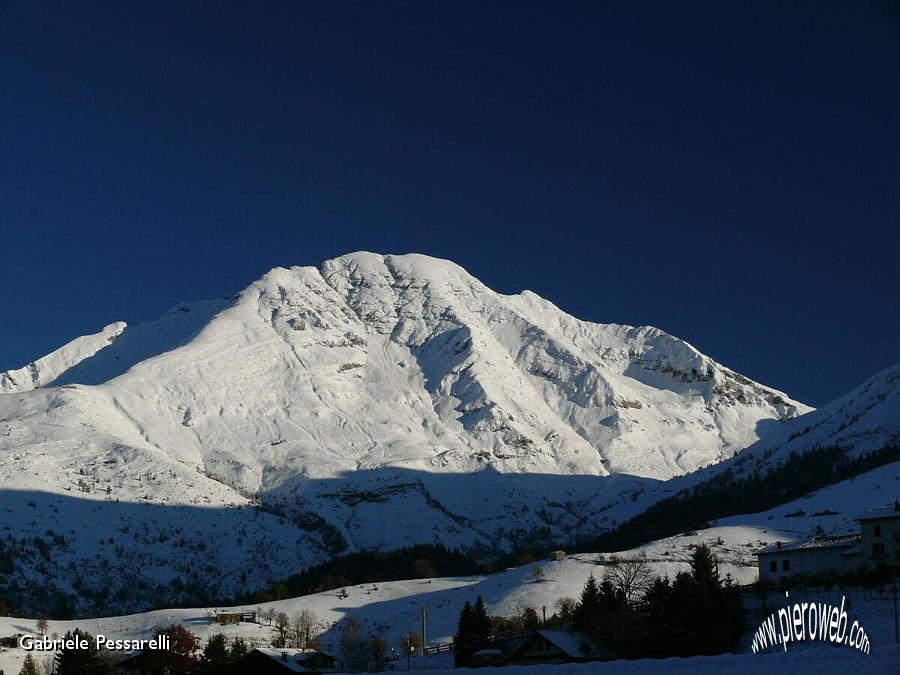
x: 376, y: 401
x: 865, y: 419
x: 48, y: 369
x: 831, y: 510
x: 391, y: 608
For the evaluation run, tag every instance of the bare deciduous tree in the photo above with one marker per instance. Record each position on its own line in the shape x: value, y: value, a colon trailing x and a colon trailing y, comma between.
x: 267, y: 615
x: 630, y: 576
x: 303, y: 629
x: 282, y: 625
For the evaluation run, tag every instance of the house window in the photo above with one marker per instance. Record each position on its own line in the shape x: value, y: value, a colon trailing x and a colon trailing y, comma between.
x: 877, y: 549
x: 785, y: 565
x: 773, y: 566
x: 876, y: 531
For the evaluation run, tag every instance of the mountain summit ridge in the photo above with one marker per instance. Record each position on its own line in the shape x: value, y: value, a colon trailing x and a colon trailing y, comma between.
x: 434, y: 370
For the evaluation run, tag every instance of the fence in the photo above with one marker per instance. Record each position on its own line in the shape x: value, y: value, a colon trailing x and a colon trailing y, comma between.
x: 439, y: 649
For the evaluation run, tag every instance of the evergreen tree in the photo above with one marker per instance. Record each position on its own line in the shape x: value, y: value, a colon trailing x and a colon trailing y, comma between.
x: 698, y: 613
x: 587, y: 611
x: 481, y: 624
x: 463, y: 641
x: 216, y: 654
x: 29, y: 667
x: 613, y: 626
x: 238, y: 649
x: 473, y: 632
x: 660, y: 616
x: 79, y: 661
x: 704, y: 569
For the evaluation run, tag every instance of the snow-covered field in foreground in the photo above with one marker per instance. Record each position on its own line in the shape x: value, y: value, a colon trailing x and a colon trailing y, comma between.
x: 827, y: 660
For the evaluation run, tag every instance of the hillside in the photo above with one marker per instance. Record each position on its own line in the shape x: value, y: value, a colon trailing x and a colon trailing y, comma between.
x: 389, y: 609
x: 858, y: 434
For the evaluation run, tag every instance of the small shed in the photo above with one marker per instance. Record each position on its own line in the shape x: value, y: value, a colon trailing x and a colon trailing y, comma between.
x: 558, y: 555
x: 228, y: 618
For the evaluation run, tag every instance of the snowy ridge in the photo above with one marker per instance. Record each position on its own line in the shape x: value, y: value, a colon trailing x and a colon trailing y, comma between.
x: 865, y: 419
x: 46, y: 370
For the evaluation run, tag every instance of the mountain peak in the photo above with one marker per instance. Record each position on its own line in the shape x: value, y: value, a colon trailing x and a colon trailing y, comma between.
x: 371, y: 389
x: 408, y: 360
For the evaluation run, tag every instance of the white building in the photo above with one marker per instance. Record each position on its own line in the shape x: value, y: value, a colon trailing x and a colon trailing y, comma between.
x: 881, y: 535
x: 810, y: 556
x: 878, y: 543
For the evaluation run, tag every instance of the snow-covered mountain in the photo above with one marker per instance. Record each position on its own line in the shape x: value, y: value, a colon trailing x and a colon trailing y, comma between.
x: 375, y: 401
x: 408, y: 361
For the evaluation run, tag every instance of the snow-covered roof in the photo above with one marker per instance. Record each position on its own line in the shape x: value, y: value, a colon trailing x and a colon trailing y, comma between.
x: 854, y: 550
x: 295, y: 657
x: 576, y: 645
x: 826, y: 541
x: 890, y: 511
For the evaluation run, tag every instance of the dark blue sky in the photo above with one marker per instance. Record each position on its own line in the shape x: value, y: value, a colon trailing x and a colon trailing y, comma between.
x: 729, y: 172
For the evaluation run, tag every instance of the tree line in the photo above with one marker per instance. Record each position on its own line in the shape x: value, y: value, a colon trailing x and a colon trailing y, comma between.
x: 421, y: 561
x: 730, y: 493
x: 629, y: 613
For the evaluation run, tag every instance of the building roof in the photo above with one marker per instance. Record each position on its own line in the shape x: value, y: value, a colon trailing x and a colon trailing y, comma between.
x: 824, y: 541
x: 854, y: 550
x: 572, y: 643
x: 296, y: 658
x: 890, y: 511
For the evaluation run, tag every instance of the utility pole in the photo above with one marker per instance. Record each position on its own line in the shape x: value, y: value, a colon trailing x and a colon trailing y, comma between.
x: 544, y: 610
x: 424, y: 641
